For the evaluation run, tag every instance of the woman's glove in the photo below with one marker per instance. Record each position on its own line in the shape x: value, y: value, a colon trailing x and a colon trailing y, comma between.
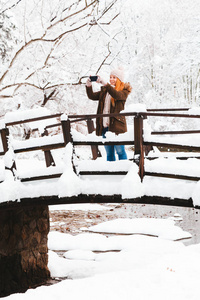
x: 88, y: 82
x: 100, y: 80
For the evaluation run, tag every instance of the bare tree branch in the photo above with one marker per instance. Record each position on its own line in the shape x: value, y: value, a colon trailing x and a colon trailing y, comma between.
x: 46, y: 87
x: 108, y: 23
x: 55, y: 41
x: 37, y: 40
x: 67, y: 17
x: 42, y: 38
x: 46, y: 98
x: 19, y: 85
x: 3, y: 11
x: 107, y: 9
x: 103, y: 62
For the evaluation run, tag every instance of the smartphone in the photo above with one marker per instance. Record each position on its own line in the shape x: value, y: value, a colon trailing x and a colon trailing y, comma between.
x: 93, y: 78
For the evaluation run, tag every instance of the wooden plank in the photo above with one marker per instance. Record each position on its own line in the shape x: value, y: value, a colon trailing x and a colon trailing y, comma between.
x: 170, y: 115
x: 173, y: 176
x: 168, y: 109
x: 78, y: 120
x: 47, y: 127
x: 41, y: 177
x: 174, y: 146
x: 83, y: 198
x: 42, y: 147
x: 33, y: 119
x: 175, y: 132
x: 133, y: 114
x: 103, y: 172
x: 101, y: 143
x: 177, y: 157
x: 53, y: 125
x: 95, y: 116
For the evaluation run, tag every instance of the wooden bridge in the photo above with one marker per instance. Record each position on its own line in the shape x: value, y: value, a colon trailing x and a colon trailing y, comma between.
x: 141, y: 145
x: 24, y: 217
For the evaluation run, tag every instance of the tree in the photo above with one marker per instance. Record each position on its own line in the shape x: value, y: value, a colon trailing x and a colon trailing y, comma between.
x: 7, y: 37
x: 57, y: 48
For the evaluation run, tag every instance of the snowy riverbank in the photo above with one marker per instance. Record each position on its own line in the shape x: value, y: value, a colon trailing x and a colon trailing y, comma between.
x: 120, y: 266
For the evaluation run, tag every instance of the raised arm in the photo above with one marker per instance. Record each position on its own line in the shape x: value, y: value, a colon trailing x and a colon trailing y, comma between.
x: 91, y: 95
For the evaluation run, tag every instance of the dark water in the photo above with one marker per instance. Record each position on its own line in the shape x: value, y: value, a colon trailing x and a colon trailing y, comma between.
x: 186, y: 218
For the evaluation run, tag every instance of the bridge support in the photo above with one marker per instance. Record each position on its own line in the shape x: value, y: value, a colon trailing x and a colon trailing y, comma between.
x: 23, y: 248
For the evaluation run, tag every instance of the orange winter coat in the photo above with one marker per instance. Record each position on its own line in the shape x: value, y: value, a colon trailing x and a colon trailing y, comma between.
x: 118, y: 123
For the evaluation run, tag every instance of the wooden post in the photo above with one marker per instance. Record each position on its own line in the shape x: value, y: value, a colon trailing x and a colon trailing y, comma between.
x: 138, y: 141
x: 95, y: 150
x: 66, y: 128
x: 49, y: 158
x: 4, y: 138
x: 47, y: 153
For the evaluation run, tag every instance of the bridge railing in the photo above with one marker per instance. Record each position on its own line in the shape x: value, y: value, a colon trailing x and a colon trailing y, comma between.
x: 45, y: 146
x: 141, y: 146
x: 91, y: 128
x: 178, y: 146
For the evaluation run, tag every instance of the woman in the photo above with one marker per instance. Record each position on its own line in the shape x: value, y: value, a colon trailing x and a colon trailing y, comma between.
x: 112, y: 98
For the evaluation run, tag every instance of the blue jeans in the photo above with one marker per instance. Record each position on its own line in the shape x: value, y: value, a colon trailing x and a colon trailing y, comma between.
x: 110, y: 149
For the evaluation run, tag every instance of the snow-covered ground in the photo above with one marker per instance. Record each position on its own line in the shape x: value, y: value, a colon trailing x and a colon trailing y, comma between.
x: 137, y: 258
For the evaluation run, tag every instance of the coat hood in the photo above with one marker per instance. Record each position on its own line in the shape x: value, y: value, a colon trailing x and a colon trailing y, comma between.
x: 127, y: 87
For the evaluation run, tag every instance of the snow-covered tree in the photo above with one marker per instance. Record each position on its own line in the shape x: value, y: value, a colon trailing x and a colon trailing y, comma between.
x: 58, y: 47
x: 8, y: 38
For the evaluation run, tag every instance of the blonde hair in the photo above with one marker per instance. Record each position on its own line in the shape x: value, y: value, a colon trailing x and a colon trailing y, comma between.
x: 118, y: 87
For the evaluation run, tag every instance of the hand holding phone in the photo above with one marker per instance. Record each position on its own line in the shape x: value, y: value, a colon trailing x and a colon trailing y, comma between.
x: 93, y: 78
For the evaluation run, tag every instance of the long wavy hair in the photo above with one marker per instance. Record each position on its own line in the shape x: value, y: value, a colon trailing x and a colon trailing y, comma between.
x: 118, y: 87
